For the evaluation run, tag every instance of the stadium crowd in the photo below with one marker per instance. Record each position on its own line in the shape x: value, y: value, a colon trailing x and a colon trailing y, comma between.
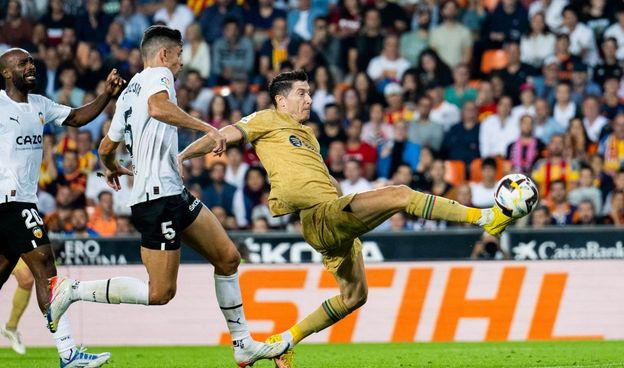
x: 443, y: 96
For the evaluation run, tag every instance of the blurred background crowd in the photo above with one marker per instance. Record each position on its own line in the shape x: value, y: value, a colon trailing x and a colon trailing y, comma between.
x: 443, y: 96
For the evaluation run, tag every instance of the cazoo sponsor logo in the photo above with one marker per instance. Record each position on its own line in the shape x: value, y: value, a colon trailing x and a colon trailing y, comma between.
x: 534, y: 250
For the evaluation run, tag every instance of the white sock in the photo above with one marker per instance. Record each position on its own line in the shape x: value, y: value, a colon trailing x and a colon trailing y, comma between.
x: 127, y: 290
x: 63, y: 338
x: 231, y: 303
x: 288, y: 337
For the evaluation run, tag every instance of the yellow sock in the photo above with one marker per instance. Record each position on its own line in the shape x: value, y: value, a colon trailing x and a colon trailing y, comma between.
x: 331, y: 311
x: 433, y: 207
x: 20, y: 302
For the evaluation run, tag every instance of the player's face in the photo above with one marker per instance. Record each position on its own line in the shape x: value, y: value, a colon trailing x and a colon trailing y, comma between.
x: 22, y: 69
x: 173, y: 60
x: 298, y: 101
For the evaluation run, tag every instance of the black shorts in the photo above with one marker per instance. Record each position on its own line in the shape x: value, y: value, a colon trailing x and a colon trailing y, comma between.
x: 161, y: 221
x: 21, y: 229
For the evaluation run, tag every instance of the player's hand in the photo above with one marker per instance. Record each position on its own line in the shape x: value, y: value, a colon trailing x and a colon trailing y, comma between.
x: 181, y: 166
x: 112, y: 176
x: 114, y: 83
x: 220, y: 142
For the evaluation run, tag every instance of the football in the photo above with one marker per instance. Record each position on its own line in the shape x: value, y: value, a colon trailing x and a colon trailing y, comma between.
x: 516, y: 195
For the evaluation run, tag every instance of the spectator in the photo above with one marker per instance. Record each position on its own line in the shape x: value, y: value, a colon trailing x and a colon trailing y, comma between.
x: 553, y: 12
x: 250, y: 196
x: 276, y: 50
x: 55, y: 20
x: 175, y: 15
x: 611, y: 102
x: 564, y: 109
x: 421, y: 179
x: 393, y: 18
x: 91, y: 27
x: 597, y: 14
x: 412, y: 90
x: 69, y: 94
x: 451, y: 39
x: 87, y: 154
x: 259, y: 225
x: 336, y: 159
x: 609, y: 66
x: 79, y: 222
x: 576, y: 141
x: 474, y: 16
x: 527, y: 149
x: 508, y: 22
x: 364, y: 153
x: 540, y: 217
x: 397, y: 222
x: 602, y: 180
x: 376, y: 131
x: 218, y: 112
x: 582, y: 43
x: 586, y: 191
x: 236, y: 168
x: 232, y: 54
x: 413, y: 42
x: 460, y: 92
x: 47, y: 171
x: 332, y: 129
x: 301, y: 20
x: 557, y: 202
x: 612, y: 146
x: 326, y: 45
x: 262, y: 211
x: 403, y: 176
x: 103, y: 220
x: 488, y: 248
x: 369, y: 43
x: 498, y: 131
x: 483, y: 192
x: 352, y: 105
x: 212, y: 18
x: 366, y: 90
x: 219, y: 193
x: 93, y: 72
x: 73, y: 178
x: 431, y: 69
x: 196, y: 52
x: 15, y: 31
x: 116, y: 48
x: 592, y: 120
x: 388, y: 66
x: 485, y: 100
x: 616, y: 213
x: 422, y: 130
x: 581, y: 85
x: 585, y: 213
x: 538, y: 44
x: 354, y: 182
x: 306, y: 58
x: 124, y: 227
x: 199, y: 96
x: 566, y: 59
x: 545, y: 124
x: 546, y: 83
x: 397, y: 110
x: 397, y: 151
x: 461, y: 142
x: 258, y: 21
x: 554, y: 167
x: 616, y: 31
x: 516, y: 73
x: 197, y: 173
x: 323, y: 90
x: 527, y: 102
x: 439, y: 186
x: 134, y: 23
x: 443, y: 112
x: 241, y: 98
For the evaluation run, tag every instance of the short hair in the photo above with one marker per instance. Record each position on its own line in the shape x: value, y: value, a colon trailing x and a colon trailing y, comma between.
x: 157, y: 37
x: 230, y: 20
x: 282, y: 83
x: 104, y: 193
x: 489, y: 162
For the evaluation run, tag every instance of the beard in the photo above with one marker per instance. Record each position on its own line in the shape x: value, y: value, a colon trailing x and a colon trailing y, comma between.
x: 22, y: 84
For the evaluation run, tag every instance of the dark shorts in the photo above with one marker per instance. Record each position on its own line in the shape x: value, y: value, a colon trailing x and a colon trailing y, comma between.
x: 161, y: 221
x: 21, y: 229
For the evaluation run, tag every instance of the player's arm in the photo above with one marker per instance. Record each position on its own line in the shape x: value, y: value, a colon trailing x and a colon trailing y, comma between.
x: 114, y: 169
x: 206, y: 144
x: 83, y: 115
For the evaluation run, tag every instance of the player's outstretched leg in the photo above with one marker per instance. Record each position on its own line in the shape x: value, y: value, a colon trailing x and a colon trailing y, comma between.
x: 208, y: 238
x: 21, y: 297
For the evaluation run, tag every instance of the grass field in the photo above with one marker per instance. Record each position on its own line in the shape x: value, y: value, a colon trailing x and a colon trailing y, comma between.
x: 517, y: 354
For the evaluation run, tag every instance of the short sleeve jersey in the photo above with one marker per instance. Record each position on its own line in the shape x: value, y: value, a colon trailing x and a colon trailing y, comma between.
x: 291, y: 155
x: 152, y: 144
x: 21, y: 144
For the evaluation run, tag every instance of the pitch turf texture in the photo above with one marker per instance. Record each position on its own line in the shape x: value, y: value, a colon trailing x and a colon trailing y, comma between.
x: 515, y: 354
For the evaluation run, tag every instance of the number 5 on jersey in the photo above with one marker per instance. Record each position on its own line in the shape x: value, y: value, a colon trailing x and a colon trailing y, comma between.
x: 167, y: 231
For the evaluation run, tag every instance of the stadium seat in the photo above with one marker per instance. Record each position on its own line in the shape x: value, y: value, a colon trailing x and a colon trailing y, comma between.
x: 455, y: 172
x: 475, y: 169
x: 493, y: 59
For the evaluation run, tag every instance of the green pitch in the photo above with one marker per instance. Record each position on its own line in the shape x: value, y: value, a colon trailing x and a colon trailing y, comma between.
x: 517, y: 354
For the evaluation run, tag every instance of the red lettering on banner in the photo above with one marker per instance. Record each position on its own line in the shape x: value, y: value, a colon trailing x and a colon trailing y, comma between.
x: 547, y: 309
x: 283, y: 314
x: 411, y: 304
x: 499, y: 310
x: 376, y: 277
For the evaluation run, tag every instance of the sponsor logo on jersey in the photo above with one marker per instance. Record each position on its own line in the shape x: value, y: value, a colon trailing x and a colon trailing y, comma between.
x: 195, y: 203
x: 37, y: 232
x: 295, y: 141
x: 165, y: 82
x: 16, y: 119
x: 23, y: 140
x: 247, y: 118
x: 41, y: 118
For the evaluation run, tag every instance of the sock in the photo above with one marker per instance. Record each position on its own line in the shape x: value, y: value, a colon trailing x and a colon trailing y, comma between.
x: 64, y: 341
x: 231, y: 304
x: 331, y: 311
x: 126, y: 290
x: 20, y: 302
x: 433, y: 207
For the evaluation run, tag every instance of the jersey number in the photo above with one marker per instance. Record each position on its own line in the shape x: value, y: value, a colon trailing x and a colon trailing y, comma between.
x: 128, y: 130
x: 168, y: 232
x: 31, y: 218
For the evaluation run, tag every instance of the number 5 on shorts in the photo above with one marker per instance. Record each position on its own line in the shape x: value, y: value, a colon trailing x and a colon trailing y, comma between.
x: 168, y: 232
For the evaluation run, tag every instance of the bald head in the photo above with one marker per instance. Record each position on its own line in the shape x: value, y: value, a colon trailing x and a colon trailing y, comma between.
x: 8, y: 57
x: 18, y: 69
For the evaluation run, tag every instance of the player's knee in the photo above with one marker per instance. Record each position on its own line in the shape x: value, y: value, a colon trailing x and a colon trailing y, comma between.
x: 401, y: 193
x: 162, y: 296
x: 356, y: 299
x: 228, y: 265
x: 25, y: 281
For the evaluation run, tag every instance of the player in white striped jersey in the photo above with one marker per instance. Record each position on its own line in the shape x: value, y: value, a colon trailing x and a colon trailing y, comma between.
x: 164, y: 212
x: 22, y: 232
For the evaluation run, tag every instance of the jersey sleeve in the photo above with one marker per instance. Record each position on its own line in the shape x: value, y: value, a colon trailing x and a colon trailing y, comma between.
x: 254, y: 126
x: 160, y: 79
x: 53, y: 113
x: 116, y: 130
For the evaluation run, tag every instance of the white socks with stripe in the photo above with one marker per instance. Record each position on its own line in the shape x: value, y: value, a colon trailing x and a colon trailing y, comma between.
x: 126, y: 290
x: 231, y: 304
x: 63, y: 338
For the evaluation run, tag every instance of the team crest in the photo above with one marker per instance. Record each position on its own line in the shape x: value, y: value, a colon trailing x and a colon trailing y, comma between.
x: 247, y: 118
x: 37, y: 232
x: 41, y: 118
x: 165, y: 82
x: 295, y: 141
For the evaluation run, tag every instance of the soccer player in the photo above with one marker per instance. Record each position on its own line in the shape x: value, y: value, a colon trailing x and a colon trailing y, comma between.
x: 25, y: 281
x: 22, y: 233
x: 163, y: 211
x: 331, y: 223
